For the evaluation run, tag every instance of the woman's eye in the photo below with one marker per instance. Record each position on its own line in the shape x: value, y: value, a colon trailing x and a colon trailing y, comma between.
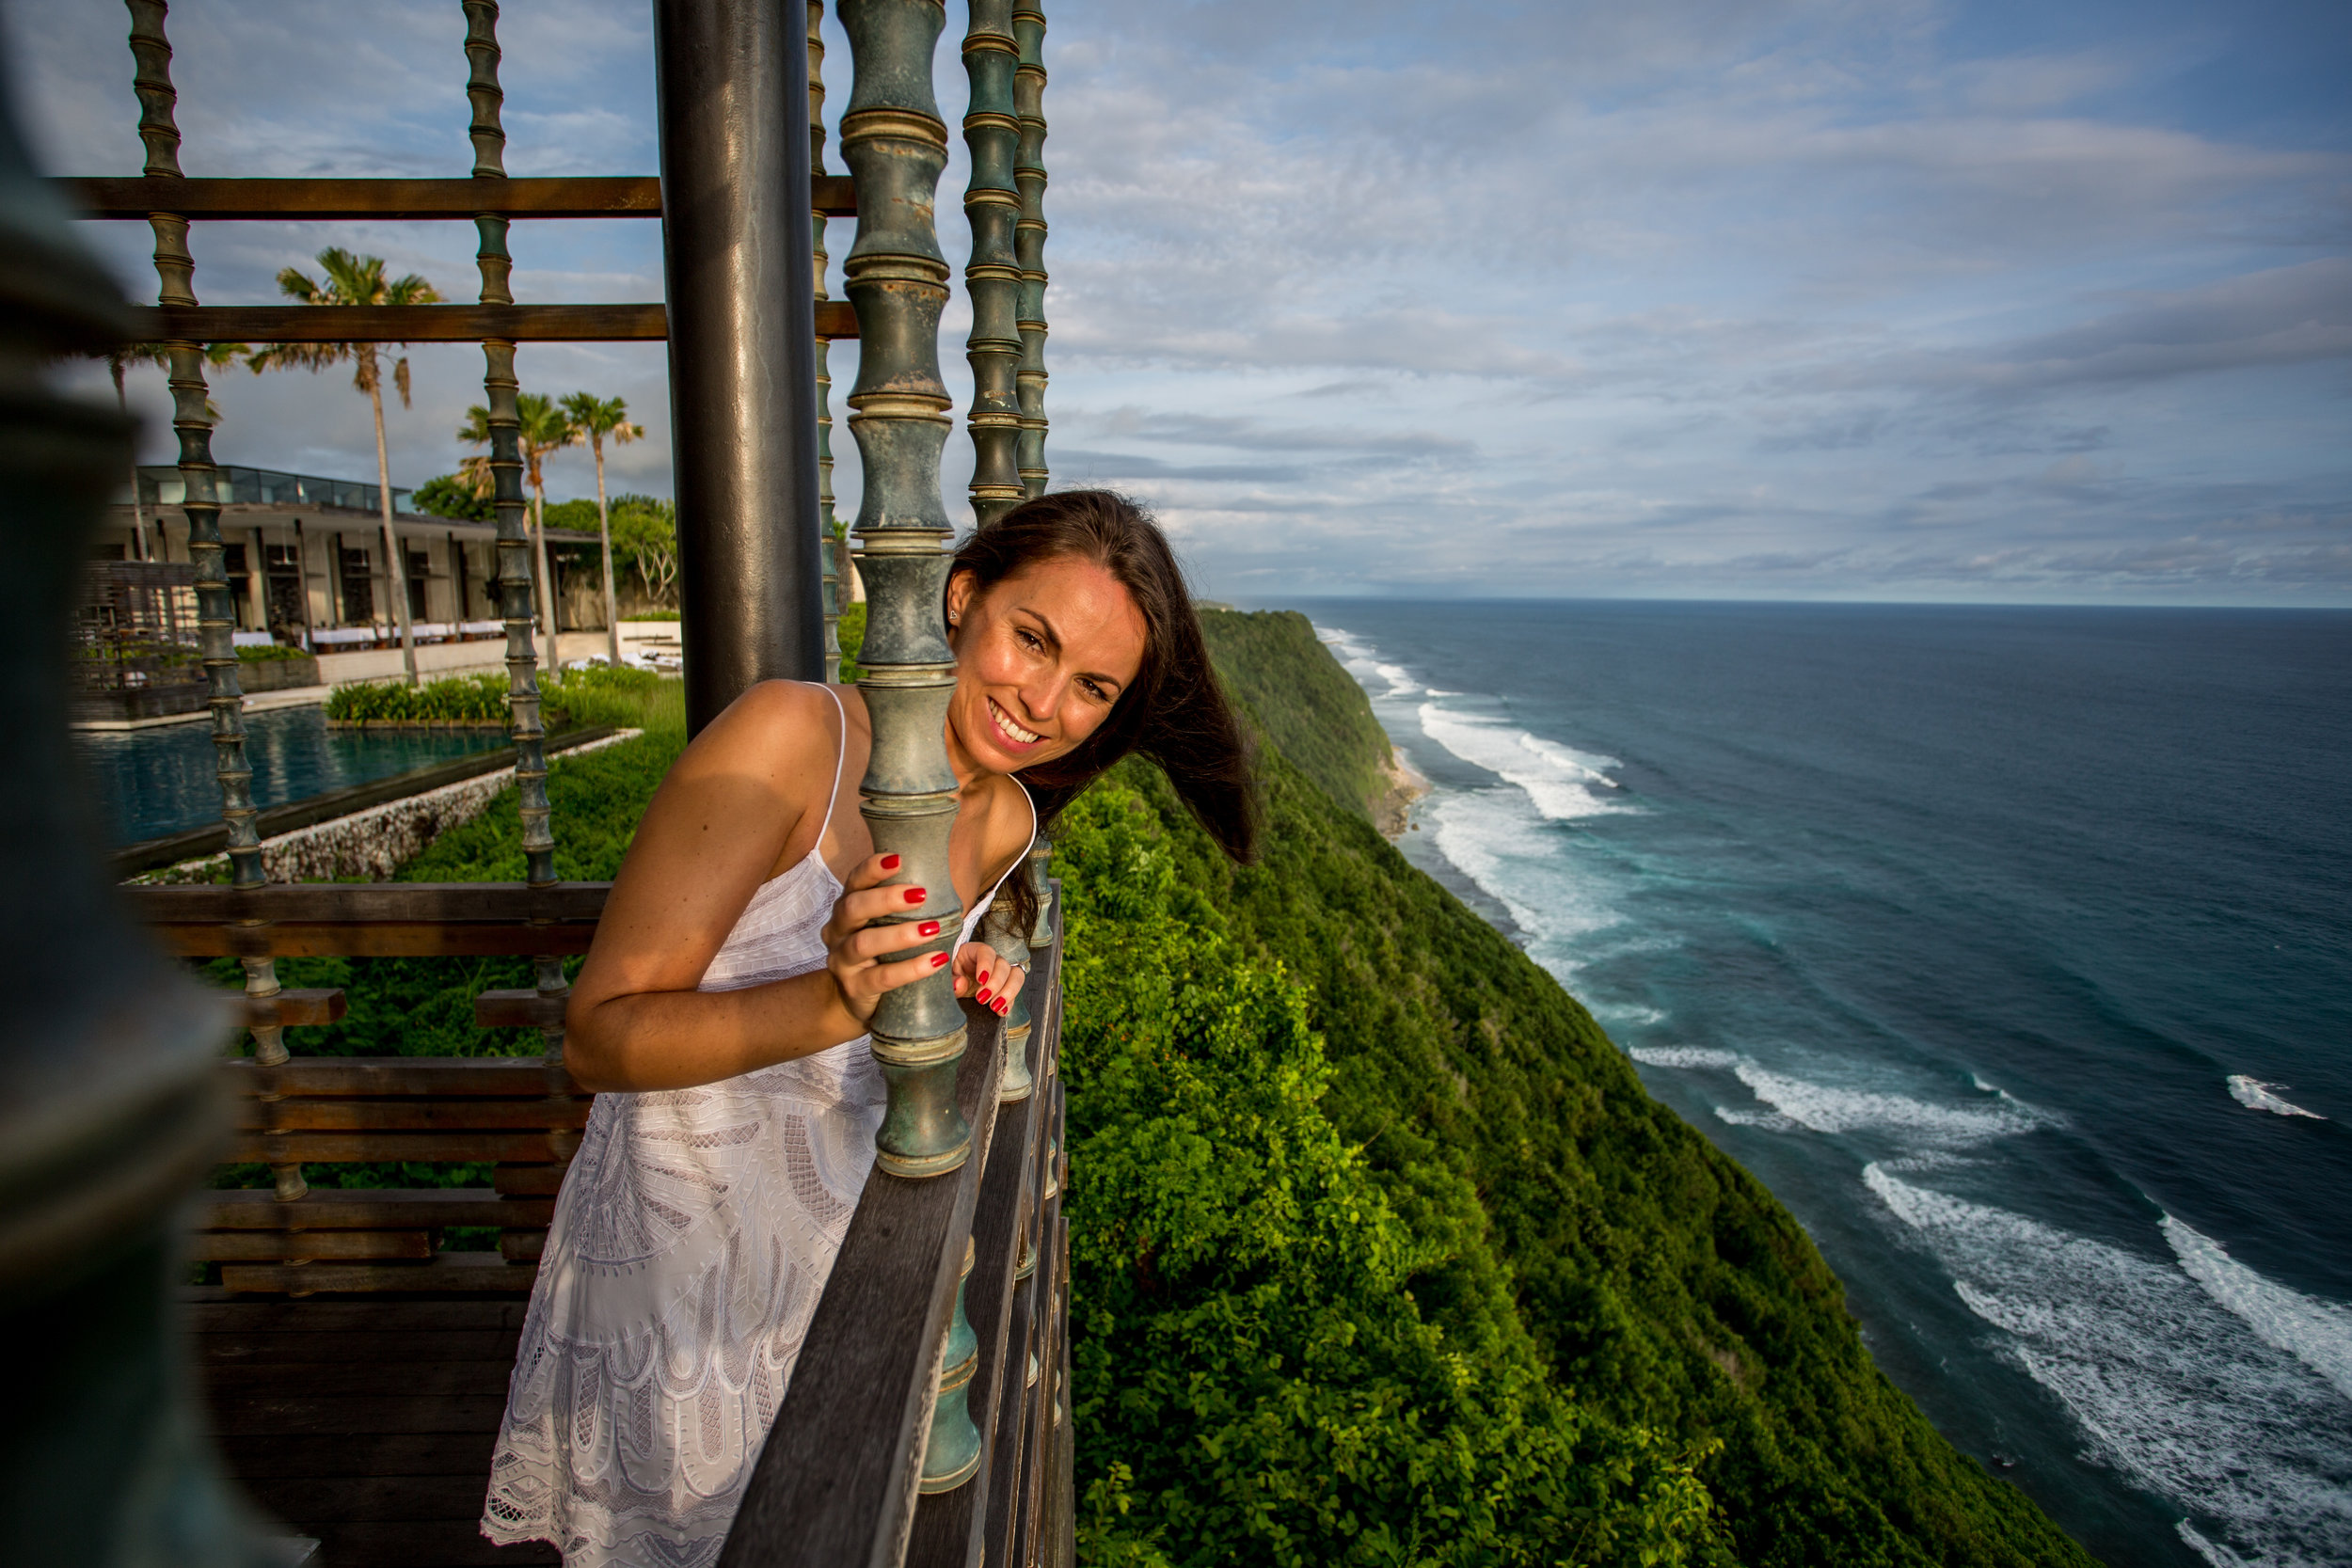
x: 1094, y: 691
x: 1028, y: 639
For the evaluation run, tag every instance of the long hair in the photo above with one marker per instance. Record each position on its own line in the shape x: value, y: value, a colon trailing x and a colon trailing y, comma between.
x: 1174, y: 711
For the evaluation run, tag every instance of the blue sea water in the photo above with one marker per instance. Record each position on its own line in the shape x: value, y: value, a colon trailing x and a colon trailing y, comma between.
x: 160, y: 780
x: 2011, y: 947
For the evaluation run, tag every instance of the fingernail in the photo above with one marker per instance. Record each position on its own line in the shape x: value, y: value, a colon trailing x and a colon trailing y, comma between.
x: 1003, y: 1006
x: 982, y: 998
x: 929, y: 928
x: 938, y: 959
x: 890, y: 863
x: 916, y: 894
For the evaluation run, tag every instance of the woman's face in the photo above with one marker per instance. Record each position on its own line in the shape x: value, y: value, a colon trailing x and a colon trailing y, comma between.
x: 1041, y: 658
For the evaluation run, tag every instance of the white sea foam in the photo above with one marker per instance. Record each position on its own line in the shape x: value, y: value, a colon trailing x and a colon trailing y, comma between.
x: 1496, y: 838
x: 2255, y: 1094
x: 1630, y: 1015
x: 1768, y: 1121
x: 2170, y: 1388
x: 1689, y: 1058
x: 1833, y: 1108
x: 2316, y: 1332
x: 1563, y: 782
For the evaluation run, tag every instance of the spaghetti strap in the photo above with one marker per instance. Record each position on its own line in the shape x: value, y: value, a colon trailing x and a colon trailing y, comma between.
x: 981, y: 908
x: 841, y: 755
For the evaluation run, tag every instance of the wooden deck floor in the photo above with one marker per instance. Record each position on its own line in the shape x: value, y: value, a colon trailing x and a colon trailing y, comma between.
x: 367, y: 1424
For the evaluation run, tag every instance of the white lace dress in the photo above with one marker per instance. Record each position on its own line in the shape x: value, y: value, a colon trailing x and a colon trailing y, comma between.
x: 692, y: 1238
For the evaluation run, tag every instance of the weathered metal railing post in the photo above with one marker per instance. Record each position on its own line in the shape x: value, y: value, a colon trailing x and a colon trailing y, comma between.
x: 1028, y: 25
x: 216, y: 616
x: 109, y: 1075
x: 516, y: 584
x: 827, y: 554
x: 896, y: 145
x: 992, y: 204
x: 733, y: 104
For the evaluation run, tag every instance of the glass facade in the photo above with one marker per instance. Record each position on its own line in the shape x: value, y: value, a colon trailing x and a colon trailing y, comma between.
x: 160, y: 485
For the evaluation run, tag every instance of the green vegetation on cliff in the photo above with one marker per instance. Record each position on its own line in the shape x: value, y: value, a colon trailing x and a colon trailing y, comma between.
x: 1526, y: 1188
x: 1382, y: 1253
x: 1300, y: 702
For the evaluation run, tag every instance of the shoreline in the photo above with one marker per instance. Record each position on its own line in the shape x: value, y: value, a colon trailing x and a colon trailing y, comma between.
x: 1392, y: 813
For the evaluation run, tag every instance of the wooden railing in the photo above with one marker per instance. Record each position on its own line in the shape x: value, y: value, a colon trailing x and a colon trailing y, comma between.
x: 355, y: 1360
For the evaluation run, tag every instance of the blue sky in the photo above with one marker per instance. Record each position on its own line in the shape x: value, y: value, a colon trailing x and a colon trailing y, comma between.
x: 1939, y: 301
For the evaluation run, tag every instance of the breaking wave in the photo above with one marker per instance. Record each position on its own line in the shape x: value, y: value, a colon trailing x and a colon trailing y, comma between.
x: 2316, y: 1332
x: 2255, y: 1094
x: 1565, y: 784
x: 2158, y: 1375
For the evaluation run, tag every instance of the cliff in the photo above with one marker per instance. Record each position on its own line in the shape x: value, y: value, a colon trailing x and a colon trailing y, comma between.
x: 1490, y: 1186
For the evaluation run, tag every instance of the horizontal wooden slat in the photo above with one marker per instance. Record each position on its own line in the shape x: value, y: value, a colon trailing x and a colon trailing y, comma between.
x: 478, y: 1272
x: 468, y: 1114
x: 240, y: 1415
x: 343, y: 1148
x: 528, y: 1179
x: 637, y: 195
x: 379, y: 940
x: 361, y: 1453
x: 523, y: 1246
x: 294, y: 1009
x: 422, y: 1544
x: 637, y: 321
x: 351, y: 1500
x: 316, y: 902
x: 519, y: 1009
x: 219, y: 1357
x: 275, y: 1246
x: 366, y: 1376
x: 362, y: 1207
x: 436, y: 1076
x: 213, y: 1310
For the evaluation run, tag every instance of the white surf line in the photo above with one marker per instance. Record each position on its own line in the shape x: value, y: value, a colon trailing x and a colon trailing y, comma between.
x: 2255, y: 1094
x: 2316, y: 1332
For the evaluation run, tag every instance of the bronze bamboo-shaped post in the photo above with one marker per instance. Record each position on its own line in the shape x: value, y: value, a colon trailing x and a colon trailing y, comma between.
x: 952, y: 1456
x: 175, y: 274
x: 1012, y: 944
x: 514, y: 583
x: 1028, y: 25
x: 895, y: 146
x: 992, y: 204
x: 832, y: 586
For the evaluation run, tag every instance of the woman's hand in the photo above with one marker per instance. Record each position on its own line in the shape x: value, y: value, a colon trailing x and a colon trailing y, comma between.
x: 853, y: 945
x: 984, y: 975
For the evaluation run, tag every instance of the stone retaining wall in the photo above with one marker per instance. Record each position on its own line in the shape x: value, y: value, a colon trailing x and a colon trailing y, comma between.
x: 371, y: 843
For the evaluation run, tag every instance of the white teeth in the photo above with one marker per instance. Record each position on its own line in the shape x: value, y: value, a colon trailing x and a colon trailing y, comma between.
x: 1005, y: 721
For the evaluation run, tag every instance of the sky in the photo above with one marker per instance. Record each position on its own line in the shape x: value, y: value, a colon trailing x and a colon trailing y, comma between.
x: 1693, y: 300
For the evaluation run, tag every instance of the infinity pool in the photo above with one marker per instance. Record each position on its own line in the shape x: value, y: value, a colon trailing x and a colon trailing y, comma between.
x: 160, y: 780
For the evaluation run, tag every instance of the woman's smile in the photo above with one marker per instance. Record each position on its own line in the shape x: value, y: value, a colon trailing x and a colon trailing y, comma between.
x: 1014, y: 735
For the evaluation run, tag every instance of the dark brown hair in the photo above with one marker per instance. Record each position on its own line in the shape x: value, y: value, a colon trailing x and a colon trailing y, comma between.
x: 1173, y: 712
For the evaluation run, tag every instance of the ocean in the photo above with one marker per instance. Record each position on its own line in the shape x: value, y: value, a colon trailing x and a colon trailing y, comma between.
x: 2012, y: 947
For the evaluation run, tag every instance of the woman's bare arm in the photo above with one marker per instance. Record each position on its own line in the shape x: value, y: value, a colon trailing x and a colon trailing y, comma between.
x: 752, y: 786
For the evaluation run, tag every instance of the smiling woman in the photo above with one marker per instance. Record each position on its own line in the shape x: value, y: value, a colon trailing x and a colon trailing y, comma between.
x: 750, y: 936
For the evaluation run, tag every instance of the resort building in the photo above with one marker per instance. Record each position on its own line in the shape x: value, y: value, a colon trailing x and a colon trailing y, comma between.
x: 306, y: 564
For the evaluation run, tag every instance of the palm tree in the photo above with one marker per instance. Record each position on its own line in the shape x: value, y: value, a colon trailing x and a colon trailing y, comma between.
x: 121, y: 359
x: 597, y: 417
x: 358, y: 280
x: 545, y: 432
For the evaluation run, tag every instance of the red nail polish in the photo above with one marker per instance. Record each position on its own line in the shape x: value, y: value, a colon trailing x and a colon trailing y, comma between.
x: 929, y: 928
x: 916, y: 894
x: 890, y: 863
x: 938, y: 959
x: 982, y: 998
x: 1003, y: 1006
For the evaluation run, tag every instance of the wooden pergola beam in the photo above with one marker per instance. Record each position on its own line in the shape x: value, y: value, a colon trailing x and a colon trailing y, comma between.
x: 634, y: 195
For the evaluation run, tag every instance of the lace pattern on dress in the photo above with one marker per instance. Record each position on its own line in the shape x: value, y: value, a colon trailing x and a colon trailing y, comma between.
x: 692, y: 1238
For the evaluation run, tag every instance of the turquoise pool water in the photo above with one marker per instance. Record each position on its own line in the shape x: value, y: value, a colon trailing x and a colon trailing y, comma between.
x: 161, y: 781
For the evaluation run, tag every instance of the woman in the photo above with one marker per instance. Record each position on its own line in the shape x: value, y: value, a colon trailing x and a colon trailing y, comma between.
x: 721, y: 1011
